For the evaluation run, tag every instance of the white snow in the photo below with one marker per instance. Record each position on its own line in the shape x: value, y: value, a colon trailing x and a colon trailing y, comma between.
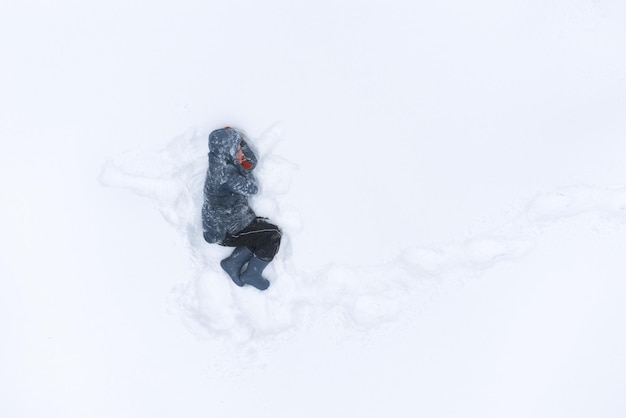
x: 450, y: 178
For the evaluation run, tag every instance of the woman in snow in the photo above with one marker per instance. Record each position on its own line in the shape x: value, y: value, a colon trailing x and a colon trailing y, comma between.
x: 227, y: 218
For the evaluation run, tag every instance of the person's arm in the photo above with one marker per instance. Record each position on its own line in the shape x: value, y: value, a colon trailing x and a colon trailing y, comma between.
x: 241, y: 184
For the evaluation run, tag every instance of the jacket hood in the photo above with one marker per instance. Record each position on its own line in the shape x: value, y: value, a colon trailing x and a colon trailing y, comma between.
x: 224, y: 142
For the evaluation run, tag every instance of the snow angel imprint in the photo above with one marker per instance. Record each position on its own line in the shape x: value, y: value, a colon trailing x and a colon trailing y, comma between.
x: 228, y: 219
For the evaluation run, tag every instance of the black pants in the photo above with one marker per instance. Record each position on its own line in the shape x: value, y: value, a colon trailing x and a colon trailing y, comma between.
x: 261, y: 237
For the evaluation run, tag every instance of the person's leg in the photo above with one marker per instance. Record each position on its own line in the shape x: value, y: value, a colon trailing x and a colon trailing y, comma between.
x: 263, y: 240
x: 260, y: 236
x: 253, y: 275
x: 235, y: 262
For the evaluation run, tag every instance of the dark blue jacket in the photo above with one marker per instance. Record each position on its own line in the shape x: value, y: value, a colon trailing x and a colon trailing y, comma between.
x: 227, y: 186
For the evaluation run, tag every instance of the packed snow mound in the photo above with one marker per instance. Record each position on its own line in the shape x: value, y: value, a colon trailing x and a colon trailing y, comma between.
x: 360, y: 298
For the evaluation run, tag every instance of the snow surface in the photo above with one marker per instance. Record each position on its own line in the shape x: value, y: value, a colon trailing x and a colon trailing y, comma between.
x: 450, y: 178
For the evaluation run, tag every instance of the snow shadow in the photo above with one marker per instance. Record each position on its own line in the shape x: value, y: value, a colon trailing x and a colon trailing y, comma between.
x: 359, y: 298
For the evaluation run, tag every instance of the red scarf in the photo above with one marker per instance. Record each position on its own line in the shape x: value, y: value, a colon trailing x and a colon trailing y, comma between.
x: 247, y: 165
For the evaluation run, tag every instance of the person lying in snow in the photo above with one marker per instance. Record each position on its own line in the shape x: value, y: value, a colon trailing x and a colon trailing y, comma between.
x: 227, y: 218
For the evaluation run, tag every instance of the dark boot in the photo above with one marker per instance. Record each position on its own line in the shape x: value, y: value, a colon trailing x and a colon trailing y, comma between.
x: 235, y: 262
x: 252, y: 275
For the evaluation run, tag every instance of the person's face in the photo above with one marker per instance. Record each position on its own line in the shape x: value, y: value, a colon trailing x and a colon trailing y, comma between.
x: 239, y: 155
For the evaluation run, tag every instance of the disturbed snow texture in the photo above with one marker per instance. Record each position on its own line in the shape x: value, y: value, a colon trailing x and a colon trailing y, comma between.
x: 489, y: 135
x: 364, y: 297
